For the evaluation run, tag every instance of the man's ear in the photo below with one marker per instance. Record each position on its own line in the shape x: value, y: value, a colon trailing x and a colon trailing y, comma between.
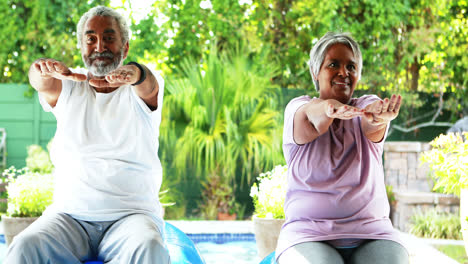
x: 125, y: 51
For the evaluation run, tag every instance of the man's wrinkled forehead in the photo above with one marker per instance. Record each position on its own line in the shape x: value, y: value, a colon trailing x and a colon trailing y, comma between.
x: 95, y: 24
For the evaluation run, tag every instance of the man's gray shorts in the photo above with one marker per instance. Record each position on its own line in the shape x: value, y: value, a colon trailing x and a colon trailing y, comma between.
x: 59, y: 238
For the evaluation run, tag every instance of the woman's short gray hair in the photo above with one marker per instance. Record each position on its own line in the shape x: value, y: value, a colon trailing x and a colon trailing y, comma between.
x: 319, y: 51
x: 103, y: 11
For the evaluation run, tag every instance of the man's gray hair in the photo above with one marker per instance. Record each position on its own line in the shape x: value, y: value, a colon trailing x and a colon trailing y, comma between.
x: 320, y: 49
x: 103, y: 11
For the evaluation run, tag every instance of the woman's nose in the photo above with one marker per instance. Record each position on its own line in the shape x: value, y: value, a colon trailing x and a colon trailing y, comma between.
x: 343, y: 72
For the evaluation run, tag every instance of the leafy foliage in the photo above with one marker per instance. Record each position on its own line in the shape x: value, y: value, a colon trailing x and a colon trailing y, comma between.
x: 29, y: 193
x: 220, y: 117
x: 38, y: 159
x: 433, y: 224
x: 224, y: 109
x: 217, y: 197
x: 270, y: 193
x: 38, y: 28
x: 448, y: 160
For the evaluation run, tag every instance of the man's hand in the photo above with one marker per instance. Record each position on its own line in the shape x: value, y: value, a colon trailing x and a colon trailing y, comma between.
x: 335, y: 109
x: 50, y: 68
x: 126, y: 74
x: 383, y: 111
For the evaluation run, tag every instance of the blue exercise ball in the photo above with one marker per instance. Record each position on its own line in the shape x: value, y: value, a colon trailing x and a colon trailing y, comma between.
x: 270, y: 259
x: 181, y: 248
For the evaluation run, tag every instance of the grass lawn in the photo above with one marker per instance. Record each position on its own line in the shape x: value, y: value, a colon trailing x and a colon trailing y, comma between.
x: 456, y: 252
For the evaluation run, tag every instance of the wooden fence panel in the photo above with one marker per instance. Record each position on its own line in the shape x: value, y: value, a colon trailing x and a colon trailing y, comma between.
x: 24, y: 121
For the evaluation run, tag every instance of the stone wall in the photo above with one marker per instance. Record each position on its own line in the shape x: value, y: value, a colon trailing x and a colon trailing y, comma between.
x: 409, y: 203
x: 402, y: 167
x: 412, y: 184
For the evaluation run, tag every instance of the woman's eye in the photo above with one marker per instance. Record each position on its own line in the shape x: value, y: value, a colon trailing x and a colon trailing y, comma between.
x: 332, y: 65
x: 351, y: 67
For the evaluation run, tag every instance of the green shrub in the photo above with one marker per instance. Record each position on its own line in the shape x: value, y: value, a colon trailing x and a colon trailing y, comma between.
x: 390, y: 194
x: 433, y: 224
x: 29, y: 193
x: 448, y: 160
x: 38, y: 159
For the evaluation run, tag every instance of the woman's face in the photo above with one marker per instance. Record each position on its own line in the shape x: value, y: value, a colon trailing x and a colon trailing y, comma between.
x: 338, y: 74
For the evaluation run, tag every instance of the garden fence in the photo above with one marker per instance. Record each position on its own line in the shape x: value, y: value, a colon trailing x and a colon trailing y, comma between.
x: 24, y: 121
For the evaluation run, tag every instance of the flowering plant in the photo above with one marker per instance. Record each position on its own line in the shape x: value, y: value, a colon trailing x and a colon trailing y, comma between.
x: 29, y: 193
x: 448, y: 160
x: 268, y: 196
x: 38, y: 159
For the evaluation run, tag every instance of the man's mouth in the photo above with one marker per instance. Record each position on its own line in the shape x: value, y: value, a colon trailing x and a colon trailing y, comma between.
x: 102, y: 58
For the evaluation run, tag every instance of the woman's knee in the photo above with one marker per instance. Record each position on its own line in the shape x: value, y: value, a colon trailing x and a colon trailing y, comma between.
x: 380, y: 251
x: 311, y: 252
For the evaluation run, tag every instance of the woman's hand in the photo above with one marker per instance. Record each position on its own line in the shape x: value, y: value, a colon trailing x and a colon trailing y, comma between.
x: 383, y: 111
x: 335, y: 109
x: 377, y: 116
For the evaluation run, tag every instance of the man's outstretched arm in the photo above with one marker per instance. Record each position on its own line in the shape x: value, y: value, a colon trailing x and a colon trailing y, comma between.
x: 46, y: 75
x: 147, y: 90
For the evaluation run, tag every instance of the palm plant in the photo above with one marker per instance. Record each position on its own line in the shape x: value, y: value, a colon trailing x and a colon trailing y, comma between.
x: 222, y: 116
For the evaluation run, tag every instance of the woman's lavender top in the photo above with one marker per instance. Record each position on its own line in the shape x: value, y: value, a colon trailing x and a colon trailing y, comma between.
x: 336, y: 189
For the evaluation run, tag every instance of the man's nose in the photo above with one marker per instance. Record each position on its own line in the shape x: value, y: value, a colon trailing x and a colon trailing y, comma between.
x: 100, y: 47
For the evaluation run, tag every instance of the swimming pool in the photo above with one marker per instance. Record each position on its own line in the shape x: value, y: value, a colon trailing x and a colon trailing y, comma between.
x: 223, y: 248
x: 226, y: 248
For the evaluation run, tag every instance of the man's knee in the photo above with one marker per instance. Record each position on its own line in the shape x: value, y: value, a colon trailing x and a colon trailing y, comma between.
x: 152, y: 248
x: 26, y: 244
x: 148, y: 242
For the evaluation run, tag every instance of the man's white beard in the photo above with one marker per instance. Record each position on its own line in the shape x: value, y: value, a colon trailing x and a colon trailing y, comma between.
x: 101, y: 68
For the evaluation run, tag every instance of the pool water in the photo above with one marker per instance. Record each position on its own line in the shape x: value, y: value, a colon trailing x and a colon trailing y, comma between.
x: 239, y: 252
x: 214, y: 248
x: 227, y: 248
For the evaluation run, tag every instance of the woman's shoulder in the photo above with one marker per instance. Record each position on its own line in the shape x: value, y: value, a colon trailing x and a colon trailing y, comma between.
x: 297, y: 102
x: 300, y: 99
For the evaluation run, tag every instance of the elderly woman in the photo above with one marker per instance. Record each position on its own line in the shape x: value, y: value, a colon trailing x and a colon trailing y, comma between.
x: 336, y: 205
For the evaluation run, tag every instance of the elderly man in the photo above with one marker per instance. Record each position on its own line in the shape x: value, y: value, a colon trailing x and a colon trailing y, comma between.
x: 107, y: 170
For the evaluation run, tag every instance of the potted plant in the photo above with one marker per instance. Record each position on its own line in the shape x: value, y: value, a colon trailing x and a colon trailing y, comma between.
x: 448, y: 161
x: 268, y: 198
x: 29, y: 191
x: 29, y: 194
x: 218, y: 199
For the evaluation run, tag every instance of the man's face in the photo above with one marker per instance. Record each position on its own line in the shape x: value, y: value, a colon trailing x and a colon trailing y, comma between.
x: 102, y: 49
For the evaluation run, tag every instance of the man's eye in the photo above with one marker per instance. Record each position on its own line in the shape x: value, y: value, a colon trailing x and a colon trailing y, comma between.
x: 109, y: 39
x: 90, y: 39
